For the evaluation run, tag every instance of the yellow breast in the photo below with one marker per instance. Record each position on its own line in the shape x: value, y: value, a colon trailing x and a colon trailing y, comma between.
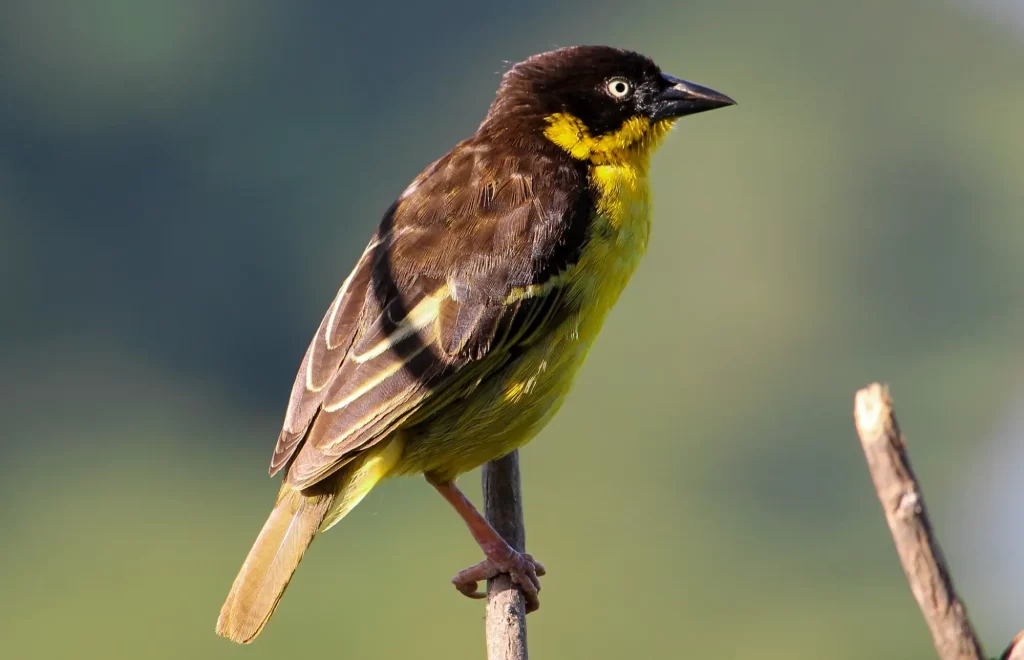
x: 618, y: 165
x: 618, y: 240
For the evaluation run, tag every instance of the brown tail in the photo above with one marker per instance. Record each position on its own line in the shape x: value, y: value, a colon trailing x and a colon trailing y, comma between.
x: 289, y: 530
x: 273, y: 559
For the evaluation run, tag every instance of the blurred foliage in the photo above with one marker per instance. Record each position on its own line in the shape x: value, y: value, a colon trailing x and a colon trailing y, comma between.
x: 184, y: 184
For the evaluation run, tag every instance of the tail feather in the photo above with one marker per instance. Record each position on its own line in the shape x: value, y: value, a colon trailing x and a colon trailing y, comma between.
x: 290, y: 529
x: 269, y: 567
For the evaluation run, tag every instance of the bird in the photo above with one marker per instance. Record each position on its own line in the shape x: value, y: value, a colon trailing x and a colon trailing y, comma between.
x: 462, y: 326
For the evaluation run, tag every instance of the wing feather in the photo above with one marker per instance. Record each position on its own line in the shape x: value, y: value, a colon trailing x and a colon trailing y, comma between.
x: 461, y: 275
x: 323, y: 358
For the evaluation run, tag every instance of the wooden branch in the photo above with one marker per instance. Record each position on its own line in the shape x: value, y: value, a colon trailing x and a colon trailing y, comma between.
x: 1015, y: 651
x: 905, y: 511
x: 506, y: 607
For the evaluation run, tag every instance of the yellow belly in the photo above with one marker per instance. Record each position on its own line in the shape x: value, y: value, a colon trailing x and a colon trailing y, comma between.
x: 512, y: 405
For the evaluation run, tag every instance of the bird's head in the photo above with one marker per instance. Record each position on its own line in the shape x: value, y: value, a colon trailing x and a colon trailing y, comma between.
x: 596, y: 102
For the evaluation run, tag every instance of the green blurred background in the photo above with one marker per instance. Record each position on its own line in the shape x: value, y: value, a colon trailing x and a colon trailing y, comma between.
x: 184, y: 185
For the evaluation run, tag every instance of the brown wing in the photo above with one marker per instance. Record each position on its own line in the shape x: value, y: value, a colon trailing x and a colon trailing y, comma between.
x: 463, y: 269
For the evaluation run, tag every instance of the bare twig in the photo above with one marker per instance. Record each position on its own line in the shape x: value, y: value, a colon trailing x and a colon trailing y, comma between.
x: 506, y: 607
x: 905, y: 511
x: 1015, y: 651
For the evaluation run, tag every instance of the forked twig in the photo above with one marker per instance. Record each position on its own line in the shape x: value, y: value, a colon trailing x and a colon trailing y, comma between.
x: 905, y: 512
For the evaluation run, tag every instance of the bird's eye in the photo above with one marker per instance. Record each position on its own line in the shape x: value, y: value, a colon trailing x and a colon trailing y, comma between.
x: 619, y: 88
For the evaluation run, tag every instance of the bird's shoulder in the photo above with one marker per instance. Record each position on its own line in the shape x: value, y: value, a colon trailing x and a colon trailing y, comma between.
x: 491, y: 216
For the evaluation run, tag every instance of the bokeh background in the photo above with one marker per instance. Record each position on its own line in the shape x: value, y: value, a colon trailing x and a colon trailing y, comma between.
x: 184, y: 184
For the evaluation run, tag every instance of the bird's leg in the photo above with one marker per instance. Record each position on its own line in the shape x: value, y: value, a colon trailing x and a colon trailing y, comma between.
x: 501, y: 557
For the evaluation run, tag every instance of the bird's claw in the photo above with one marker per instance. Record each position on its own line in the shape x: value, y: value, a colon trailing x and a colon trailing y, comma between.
x: 521, y: 567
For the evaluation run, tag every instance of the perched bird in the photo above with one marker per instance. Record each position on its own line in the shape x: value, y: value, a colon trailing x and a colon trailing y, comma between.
x: 463, y: 324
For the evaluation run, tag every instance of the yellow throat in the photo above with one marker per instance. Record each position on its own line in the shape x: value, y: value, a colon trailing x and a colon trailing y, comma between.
x: 619, y: 162
x: 618, y: 175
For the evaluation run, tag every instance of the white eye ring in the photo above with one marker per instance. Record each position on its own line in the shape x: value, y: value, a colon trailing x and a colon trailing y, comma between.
x: 619, y: 88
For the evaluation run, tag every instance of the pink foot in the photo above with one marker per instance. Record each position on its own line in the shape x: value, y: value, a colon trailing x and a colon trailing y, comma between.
x: 524, y: 570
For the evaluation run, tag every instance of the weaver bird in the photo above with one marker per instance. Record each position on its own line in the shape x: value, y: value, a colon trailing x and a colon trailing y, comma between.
x: 460, y: 330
